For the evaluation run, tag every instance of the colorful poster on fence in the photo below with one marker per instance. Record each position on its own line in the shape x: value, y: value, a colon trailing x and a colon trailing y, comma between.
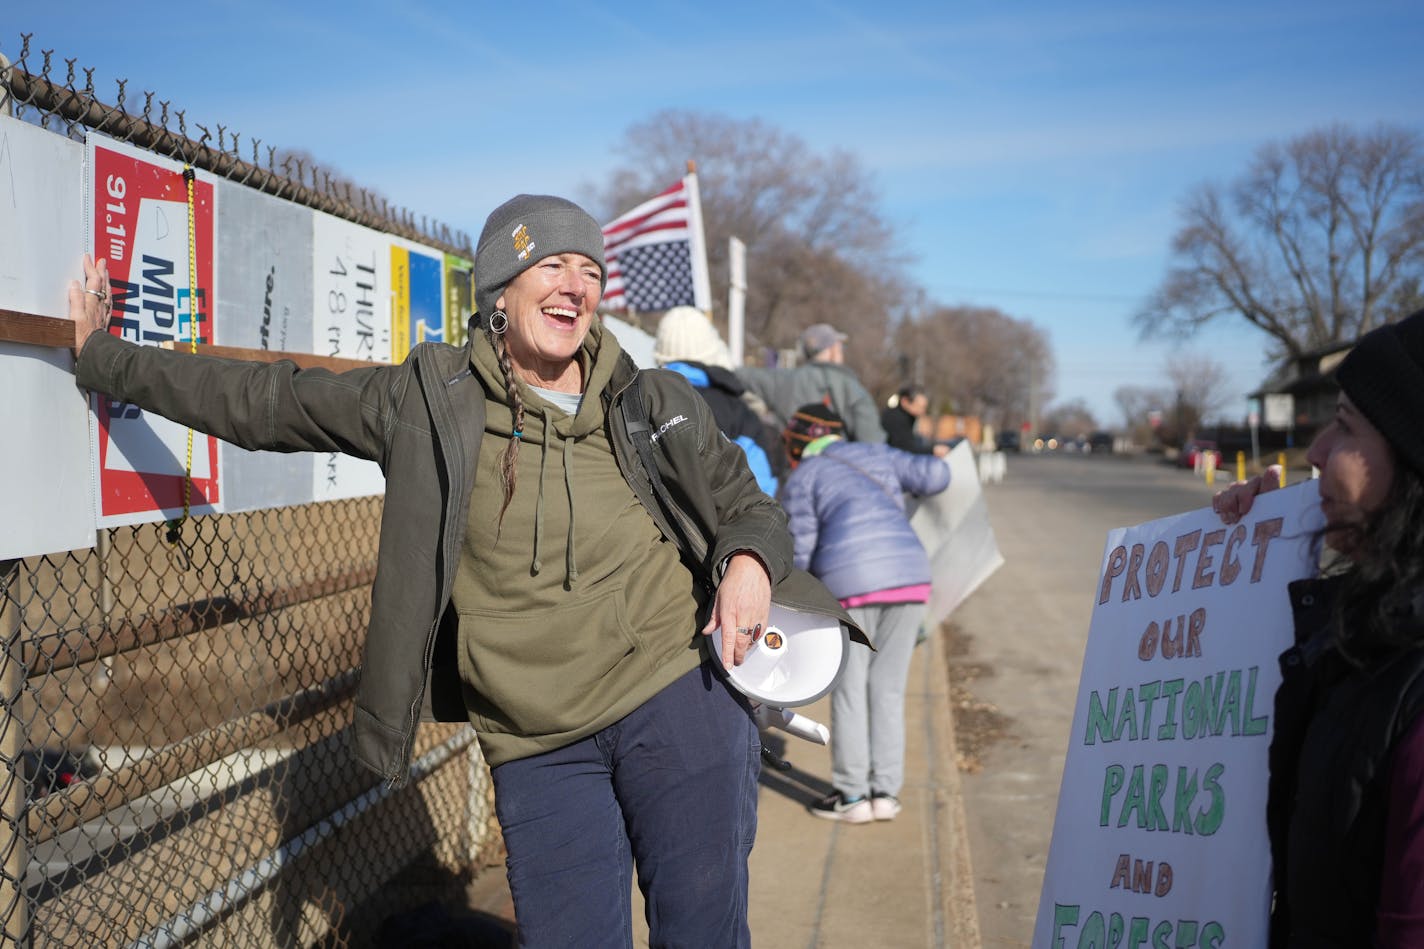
x: 139, y: 215
x: 458, y: 296
x: 351, y: 305
x: 265, y: 271
x: 1160, y: 835
x: 417, y: 298
x: 46, y: 501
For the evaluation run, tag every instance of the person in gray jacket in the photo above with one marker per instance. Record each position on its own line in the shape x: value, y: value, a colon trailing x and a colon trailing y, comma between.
x: 822, y: 377
x: 846, y: 504
x: 537, y: 574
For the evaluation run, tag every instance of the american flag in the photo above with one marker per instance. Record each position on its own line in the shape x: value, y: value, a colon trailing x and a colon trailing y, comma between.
x: 656, y: 255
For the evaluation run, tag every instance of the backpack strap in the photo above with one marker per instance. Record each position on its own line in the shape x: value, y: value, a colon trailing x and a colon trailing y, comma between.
x: 640, y: 430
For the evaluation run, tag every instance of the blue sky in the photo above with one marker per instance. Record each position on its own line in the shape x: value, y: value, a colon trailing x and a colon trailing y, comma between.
x: 1031, y: 155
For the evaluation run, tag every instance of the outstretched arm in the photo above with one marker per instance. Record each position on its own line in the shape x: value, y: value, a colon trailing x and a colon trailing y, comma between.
x: 255, y: 405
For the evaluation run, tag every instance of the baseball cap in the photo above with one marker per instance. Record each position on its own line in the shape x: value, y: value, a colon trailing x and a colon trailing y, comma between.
x: 818, y: 337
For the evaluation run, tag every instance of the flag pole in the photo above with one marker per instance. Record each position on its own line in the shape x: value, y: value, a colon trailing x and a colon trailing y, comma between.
x: 701, y: 284
x: 736, y: 299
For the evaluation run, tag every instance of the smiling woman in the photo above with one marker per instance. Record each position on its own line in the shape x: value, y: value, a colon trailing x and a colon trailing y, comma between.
x: 549, y: 596
x: 1346, y: 801
x: 549, y: 308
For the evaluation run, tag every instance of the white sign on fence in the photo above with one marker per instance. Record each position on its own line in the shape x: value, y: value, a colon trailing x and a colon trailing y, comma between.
x: 352, y: 306
x: 1160, y: 835
x: 265, y: 271
x: 46, y: 503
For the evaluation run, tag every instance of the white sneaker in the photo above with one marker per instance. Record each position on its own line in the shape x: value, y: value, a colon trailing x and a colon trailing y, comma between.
x: 884, y: 806
x: 834, y: 806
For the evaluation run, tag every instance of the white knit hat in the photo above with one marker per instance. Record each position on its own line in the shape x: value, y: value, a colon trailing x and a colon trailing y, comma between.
x: 685, y: 333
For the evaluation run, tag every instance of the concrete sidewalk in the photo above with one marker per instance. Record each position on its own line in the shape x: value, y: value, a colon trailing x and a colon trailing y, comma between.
x: 819, y: 883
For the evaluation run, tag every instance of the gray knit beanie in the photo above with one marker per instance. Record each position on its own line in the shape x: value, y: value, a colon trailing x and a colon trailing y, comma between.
x: 523, y: 231
x: 1384, y: 376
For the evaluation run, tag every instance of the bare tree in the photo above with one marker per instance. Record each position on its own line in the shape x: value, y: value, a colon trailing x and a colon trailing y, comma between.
x: 976, y: 361
x: 817, y: 246
x: 1196, y: 392
x: 1199, y: 380
x: 1137, y: 403
x: 1072, y: 419
x: 1321, y: 240
x: 1143, y: 410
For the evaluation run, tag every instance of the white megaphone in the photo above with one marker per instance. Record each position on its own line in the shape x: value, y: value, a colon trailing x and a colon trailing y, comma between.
x: 797, y: 659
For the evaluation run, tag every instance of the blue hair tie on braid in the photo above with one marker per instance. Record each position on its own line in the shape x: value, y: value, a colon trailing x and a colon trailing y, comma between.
x: 517, y: 434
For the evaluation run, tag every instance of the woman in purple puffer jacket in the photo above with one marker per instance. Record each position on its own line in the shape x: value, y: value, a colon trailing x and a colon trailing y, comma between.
x: 845, y: 501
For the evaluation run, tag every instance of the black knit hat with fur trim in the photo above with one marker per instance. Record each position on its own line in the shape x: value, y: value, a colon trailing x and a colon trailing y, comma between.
x: 1384, y: 376
x: 808, y: 423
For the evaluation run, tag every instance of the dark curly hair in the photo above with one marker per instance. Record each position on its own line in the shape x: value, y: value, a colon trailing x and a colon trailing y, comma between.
x: 1376, y: 612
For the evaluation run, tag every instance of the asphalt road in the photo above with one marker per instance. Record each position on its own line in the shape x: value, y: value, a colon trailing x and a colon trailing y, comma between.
x: 1017, y: 649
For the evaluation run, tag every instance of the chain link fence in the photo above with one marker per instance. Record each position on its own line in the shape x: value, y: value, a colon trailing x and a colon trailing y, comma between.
x: 174, y: 762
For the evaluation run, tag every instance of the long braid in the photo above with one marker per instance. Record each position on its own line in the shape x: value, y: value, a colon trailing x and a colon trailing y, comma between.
x: 511, y: 451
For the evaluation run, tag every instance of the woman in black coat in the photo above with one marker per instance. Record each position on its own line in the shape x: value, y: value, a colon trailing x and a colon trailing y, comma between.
x: 1345, y: 809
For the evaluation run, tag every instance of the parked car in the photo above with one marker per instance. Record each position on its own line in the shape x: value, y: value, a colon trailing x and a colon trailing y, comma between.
x: 1007, y: 440
x: 1100, y: 442
x: 1188, y: 456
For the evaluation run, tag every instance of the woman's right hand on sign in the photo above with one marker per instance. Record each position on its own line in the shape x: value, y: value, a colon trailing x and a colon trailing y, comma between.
x: 89, y: 303
x: 1235, y: 502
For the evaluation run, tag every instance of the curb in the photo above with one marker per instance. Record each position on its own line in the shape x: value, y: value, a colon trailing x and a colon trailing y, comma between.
x: 958, y: 911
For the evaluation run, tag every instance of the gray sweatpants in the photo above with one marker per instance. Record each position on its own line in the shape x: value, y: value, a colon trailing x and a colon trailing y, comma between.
x: 868, y: 704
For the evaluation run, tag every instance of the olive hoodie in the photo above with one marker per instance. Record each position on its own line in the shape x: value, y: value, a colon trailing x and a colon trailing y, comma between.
x: 424, y: 421
x: 573, y: 608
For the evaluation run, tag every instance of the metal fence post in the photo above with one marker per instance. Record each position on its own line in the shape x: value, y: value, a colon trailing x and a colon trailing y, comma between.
x: 12, y: 807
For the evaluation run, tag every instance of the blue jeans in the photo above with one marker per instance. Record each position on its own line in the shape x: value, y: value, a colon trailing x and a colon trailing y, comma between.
x: 672, y: 789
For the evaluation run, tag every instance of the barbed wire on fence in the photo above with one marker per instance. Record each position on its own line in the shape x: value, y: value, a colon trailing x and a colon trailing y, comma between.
x: 72, y: 105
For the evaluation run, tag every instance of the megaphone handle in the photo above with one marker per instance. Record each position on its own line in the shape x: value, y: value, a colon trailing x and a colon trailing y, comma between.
x: 769, y: 716
x: 773, y: 760
x: 803, y: 727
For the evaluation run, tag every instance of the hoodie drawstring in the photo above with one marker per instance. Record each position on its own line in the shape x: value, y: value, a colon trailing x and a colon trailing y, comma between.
x: 570, y: 566
x: 536, y: 565
x: 570, y: 563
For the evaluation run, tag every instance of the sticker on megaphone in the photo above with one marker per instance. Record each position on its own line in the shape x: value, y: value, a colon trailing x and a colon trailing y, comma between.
x: 797, y: 660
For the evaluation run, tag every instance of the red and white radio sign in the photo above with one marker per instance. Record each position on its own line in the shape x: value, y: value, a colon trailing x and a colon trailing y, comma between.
x: 140, y: 224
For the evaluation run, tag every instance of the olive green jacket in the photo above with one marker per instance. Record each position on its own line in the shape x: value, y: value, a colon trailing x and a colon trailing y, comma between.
x: 422, y: 421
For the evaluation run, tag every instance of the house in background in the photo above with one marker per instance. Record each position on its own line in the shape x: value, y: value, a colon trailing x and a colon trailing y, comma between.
x: 1299, y: 397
